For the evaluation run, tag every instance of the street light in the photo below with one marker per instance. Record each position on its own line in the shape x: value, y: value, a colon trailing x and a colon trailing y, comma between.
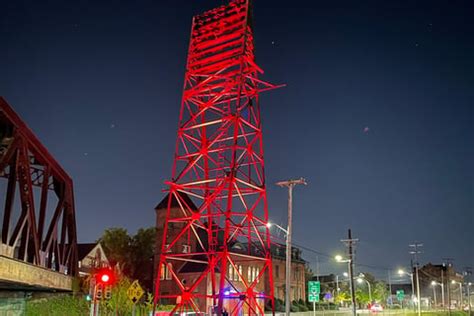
x: 269, y: 225
x: 460, y: 292
x: 361, y: 278
x: 434, y: 283
x: 469, y: 296
x: 290, y: 184
x: 402, y: 272
x: 339, y: 258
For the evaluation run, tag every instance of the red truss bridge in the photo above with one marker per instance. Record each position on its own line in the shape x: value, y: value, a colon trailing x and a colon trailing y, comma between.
x: 38, y: 246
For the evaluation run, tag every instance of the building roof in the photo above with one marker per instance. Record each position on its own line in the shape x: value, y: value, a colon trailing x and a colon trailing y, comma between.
x: 84, y: 249
x: 279, y: 252
x: 163, y: 205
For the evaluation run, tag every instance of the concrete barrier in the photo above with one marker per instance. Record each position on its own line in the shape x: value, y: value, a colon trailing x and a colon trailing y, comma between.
x: 19, y: 272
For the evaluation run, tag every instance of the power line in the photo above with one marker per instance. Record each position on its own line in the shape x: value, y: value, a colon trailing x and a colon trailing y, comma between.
x: 328, y: 256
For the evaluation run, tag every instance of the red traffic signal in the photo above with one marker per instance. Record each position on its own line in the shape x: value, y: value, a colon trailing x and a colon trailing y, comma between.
x: 105, y: 276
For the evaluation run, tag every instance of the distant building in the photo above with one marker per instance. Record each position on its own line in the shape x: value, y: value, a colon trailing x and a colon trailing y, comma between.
x: 188, y: 271
x: 91, y: 256
x: 298, y: 265
x: 444, y: 274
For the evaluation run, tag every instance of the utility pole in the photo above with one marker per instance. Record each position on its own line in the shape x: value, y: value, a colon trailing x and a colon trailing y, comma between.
x: 289, y: 184
x: 349, y: 243
x: 447, y: 263
x: 468, y: 273
x: 390, y: 288
x: 442, y: 289
x: 415, y: 253
x: 469, y: 296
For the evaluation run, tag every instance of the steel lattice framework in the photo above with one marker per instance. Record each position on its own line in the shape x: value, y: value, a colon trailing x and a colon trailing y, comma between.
x: 38, y: 192
x: 219, y: 164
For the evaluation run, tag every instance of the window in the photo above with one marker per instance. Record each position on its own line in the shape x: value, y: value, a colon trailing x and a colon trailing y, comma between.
x: 240, y: 271
x: 169, y: 268
x: 165, y: 271
x: 296, y: 275
x: 236, y: 274
x: 230, y: 272
x: 167, y: 249
x: 257, y: 272
x: 162, y: 271
x: 186, y: 248
x: 277, y: 271
x: 252, y: 273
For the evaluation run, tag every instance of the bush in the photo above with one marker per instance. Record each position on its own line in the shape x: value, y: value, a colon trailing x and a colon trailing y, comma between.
x: 294, y: 308
x: 58, y: 306
x: 279, y: 305
x: 303, y: 308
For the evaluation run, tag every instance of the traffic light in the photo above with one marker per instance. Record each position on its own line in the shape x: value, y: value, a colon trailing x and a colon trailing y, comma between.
x: 98, y: 291
x: 108, y: 292
x: 105, y: 276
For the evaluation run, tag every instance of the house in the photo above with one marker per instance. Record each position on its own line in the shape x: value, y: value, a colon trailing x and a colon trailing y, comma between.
x: 90, y: 256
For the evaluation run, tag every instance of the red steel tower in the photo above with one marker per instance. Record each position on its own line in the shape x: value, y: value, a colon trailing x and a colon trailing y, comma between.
x: 219, y: 166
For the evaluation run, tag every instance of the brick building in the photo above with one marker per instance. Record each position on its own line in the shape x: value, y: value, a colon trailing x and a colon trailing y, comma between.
x: 444, y: 274
x: 189, y: 271
x: 298, y: 266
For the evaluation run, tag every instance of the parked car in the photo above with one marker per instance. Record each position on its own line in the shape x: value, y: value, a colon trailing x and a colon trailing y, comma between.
x: 376, y: 308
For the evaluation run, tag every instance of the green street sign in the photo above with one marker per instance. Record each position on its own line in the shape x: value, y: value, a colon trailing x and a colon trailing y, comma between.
x: 400, y: 295
x: 313, y: 298
x: 314, y: 288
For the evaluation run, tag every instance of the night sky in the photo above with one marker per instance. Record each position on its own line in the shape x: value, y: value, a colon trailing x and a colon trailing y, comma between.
x: 377, y: 114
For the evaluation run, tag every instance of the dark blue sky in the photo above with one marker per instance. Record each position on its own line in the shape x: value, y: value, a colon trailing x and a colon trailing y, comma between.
x: 100, y: 84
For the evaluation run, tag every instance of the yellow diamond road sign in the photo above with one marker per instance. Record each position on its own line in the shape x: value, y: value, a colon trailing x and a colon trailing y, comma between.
x: 135, y: 292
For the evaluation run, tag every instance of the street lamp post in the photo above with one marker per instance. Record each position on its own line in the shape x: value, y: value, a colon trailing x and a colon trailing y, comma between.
x: 442, y: 294
x: 460, y: 292
x: 351, y: 280
x: 289, y: 184
x: 469, y: 296
x: 402, y: 272
x: 415, y: 252
x: 433, y: 284
x: 361, y: 279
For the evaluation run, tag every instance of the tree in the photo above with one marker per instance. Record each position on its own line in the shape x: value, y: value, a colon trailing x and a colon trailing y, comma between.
x: 380, y: 292
x: 133, y: 254
x: 116, y: 243
x: 143, y: 251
